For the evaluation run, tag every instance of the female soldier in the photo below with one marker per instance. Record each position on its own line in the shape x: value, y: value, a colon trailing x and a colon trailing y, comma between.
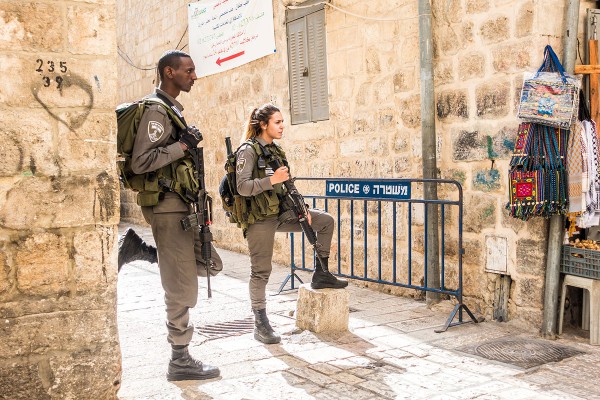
x: 263, y: 186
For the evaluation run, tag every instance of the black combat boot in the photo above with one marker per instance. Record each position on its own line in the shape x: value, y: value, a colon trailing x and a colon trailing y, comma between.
x: 184, y: 367
x: 262, y: 328
x: 132, y: 247
x: 323, y: 279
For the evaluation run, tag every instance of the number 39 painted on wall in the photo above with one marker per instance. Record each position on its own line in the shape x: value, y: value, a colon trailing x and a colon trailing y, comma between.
x: 52, y: 68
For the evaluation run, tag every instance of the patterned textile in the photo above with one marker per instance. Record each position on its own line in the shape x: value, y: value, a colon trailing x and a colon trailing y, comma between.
x: 550, y: 96
x: 576, y: 167
x: 590, y: 178
x: 546, y: 99
x: 537, y: 179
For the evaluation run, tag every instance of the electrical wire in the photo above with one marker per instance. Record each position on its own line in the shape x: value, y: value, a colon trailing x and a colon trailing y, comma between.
x: 180, y: 39
x: 128, y: 60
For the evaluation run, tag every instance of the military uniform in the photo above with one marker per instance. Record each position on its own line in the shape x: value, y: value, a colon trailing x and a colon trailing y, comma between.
x: 253, y: 181
x: 179, y: 255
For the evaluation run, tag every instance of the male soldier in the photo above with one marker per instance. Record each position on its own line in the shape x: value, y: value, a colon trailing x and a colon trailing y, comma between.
x: 160, y: 147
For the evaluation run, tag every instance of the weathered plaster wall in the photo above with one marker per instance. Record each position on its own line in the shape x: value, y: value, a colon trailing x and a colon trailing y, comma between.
x: 481, y: 49
x: 59, y: 200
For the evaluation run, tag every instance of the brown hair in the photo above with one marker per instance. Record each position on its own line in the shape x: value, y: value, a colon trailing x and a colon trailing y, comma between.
x: 258, y: 115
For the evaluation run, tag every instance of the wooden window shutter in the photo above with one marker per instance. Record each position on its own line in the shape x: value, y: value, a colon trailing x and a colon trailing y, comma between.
x: 317, y: 66
x: 298, y: 64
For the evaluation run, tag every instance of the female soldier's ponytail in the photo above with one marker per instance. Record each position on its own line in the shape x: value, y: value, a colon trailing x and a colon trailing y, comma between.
x: 258, y: 115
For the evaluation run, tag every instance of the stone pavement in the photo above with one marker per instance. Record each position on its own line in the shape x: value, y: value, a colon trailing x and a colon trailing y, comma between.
x: 390, y: 352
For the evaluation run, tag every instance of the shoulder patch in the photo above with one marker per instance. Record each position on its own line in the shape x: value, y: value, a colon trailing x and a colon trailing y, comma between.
x: 241, y: 163
x: 155, y: 130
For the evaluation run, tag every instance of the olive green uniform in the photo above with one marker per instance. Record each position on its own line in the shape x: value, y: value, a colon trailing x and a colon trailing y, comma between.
x: 261, y: 233
x: 179, y: 256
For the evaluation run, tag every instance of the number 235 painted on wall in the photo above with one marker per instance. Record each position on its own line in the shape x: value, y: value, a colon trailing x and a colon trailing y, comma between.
x: 51, y: 67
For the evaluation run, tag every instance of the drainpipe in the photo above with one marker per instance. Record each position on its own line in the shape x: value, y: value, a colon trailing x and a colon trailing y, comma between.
x: 556, y: 231
x: 428, y: 152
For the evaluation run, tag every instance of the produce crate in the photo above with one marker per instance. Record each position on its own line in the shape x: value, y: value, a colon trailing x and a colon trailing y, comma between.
x: 580, y: 262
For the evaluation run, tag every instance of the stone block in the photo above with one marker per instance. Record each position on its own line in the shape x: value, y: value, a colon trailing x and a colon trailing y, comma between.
x: 386, y: 119
x: 477, y: 6
x: 43, y: 263
x: 512, y: 58
x: 31, y: 26
x: 495, y: 30
x: 372, y: 61
x: 503, y: 142
x: 57, y: 332
x: 487, y: 180
x: 404, y: 80
x: 363, y: 124
x: 95, y: 258
x: 87, y: 142
x: 468, y: 146
x: 402, y: 165
x: 443, y: 72
x: 452, y: 103
x: 408, y: 53
x: 82, y: 374
x: 473, y: 252
x: 479, y: 212
x: 61, y: 202
x: 531, y: 257
x: 493, y: 99
x: 471, y: 65
x: 411, y: 111
x: 528, y: 292
x: 452, y: 11
x: 29, y: 378
x: 383, y: 93
x: 365, y: 168
x: 322, y: 310
x: 350, y: 148
x: 5, y: 281
x: 91, y: 30
x: 525, y: 18
x: 343, y: 87
x: 446, y: 41
x: 377, y: 147
x: 26, y: 144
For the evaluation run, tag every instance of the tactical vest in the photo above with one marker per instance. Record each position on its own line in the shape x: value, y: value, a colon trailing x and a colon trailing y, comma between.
x: 265, y: 204
x: 177, y: 177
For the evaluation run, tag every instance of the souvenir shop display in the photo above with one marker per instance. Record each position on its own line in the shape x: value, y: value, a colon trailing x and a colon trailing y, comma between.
x: 538, y: 177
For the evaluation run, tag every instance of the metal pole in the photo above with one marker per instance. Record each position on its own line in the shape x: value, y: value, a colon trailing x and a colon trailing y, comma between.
x: 429, y: 148
x: 556, y: 231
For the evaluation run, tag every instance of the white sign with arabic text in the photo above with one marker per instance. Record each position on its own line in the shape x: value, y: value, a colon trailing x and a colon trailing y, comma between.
x: 225, y: 34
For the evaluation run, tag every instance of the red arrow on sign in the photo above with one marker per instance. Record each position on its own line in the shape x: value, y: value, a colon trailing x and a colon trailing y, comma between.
x: 231, y: 57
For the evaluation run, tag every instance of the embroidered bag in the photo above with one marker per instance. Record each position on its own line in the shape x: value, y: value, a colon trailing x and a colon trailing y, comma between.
x: 550, y: 96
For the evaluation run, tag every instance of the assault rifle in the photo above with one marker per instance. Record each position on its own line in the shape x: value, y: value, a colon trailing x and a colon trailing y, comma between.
x: 298, y: 209
x: 201, y: 217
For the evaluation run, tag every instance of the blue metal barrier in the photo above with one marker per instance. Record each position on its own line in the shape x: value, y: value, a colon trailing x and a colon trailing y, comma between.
x: 395, y: 199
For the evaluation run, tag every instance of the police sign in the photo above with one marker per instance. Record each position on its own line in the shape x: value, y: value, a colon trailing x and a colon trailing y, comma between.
x: 372, y: 189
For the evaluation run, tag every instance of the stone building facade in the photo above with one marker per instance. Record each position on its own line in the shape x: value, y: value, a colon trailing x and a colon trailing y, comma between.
x: 59, y: 200
x: 481, y: 49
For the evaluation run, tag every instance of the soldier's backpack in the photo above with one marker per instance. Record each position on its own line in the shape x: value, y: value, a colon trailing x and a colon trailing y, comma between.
x: 234, y: 204
x: 128, y: 119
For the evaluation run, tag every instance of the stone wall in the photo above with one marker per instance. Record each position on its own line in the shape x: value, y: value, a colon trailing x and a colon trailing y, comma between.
x: 59, y: 200
x: 481, y: 49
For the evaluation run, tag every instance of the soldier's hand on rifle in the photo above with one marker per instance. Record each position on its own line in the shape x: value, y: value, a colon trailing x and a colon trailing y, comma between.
x: 191, y: 138
x: 281, y: 174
